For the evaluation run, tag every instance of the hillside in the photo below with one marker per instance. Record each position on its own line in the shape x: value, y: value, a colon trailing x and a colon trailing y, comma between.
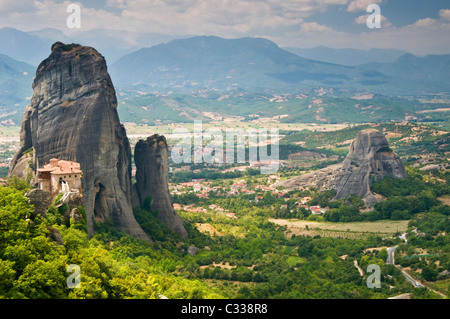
x: 207, y: 78
x: 314, y: 106
x: 24, y: 46
x: 15, y: 86
x: 434, y: 68
x: 247, y: 63
x: 218, y: 63
x: 350, y: 57
x: 250, y: 64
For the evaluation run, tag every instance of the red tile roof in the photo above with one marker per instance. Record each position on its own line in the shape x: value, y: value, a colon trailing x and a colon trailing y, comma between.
x: 59, y: 167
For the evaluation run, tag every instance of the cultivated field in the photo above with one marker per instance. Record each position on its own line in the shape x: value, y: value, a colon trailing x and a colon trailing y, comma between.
x: 220, y: 229
x: 383, y: 228
x: 142, y: 130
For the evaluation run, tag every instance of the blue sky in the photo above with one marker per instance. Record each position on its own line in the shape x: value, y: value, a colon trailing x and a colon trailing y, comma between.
x: 399, y: 13
x: 417, y: 26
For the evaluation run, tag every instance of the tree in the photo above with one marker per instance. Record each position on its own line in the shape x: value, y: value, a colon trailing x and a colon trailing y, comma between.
x: 391, y: 204
x: 430, y: 272
x: 42, y: 280
x: 7, y: 277
x: 18, y: 184
x: 15, y: 213
x: 383, y: 254
x: 441, y: 209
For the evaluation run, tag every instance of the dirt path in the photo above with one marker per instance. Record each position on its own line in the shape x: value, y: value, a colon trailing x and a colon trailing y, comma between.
x: 361, y: 272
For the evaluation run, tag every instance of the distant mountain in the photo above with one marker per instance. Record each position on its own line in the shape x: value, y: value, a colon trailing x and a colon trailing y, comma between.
x: 349, y: 57
x: 429, y: 68
x: 15, y: 87
x: 112, y: 44
x: 247, y: 63
x: 34, y: 46
x: 23, y: 46
x: 50, y: 33
x: 217, y: 63
x: 243, y: 76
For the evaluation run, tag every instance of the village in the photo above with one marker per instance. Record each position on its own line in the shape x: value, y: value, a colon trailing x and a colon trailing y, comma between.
x: 253, y: 192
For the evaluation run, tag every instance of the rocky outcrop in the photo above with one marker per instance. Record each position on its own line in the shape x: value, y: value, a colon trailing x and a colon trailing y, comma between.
x: 151, y: 157
x: 369, y: 159
x: 55, y: 235
x: 40, y: 199
x: 73, y: 117
x: 23, y: 165
x: 75, y: 217
x: 322, y: 179
x: 192, y: 250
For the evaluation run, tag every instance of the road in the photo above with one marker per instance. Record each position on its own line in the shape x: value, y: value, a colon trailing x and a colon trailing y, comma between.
x: 390, y: 261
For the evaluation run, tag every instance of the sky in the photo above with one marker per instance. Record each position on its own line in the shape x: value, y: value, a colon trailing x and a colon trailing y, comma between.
x: 417, y: 26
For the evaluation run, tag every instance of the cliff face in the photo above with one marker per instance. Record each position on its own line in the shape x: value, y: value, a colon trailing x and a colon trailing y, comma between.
x: 152, y: 157
x: 369, y: 159
x: 73, y: 117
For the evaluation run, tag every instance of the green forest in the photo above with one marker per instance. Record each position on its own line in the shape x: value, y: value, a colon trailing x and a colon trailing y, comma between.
x: 251, y: 258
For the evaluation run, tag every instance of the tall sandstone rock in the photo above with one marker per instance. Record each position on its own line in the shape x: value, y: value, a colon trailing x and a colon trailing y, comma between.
x: 369, y: 159
x: 73, y: 116
x: 151, y: 157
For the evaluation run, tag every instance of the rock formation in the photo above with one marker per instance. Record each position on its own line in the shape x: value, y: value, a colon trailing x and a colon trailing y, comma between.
x: 369, y: 159
x: 322, y: 179
x: 75, y: 217
x: 73, y: 116
x: 151, y: 157
x: 55, y: 235
x: 41, y: 200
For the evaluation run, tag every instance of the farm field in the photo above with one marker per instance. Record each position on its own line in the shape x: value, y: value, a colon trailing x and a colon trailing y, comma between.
x: 385, y: 228
x: 134, y: 129
x: 220, y: 229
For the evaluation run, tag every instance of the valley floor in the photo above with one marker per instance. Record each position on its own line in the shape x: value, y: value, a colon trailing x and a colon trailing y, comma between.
x: 254, y: 240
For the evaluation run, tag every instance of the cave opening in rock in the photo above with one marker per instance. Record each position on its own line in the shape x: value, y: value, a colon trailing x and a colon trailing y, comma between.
x: 101, y: 204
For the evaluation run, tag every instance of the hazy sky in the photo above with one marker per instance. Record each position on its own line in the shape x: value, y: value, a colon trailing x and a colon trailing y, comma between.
x: 417, y: 26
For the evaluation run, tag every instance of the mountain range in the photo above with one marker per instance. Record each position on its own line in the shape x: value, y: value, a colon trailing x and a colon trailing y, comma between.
x: 217, y: 63
x: 213, y: 64
x: 24, y: 46
x: 33, y: 47
x: 433, y: 68
x: 256, y: 63
x: 15, y: 88
x: 349, y: 57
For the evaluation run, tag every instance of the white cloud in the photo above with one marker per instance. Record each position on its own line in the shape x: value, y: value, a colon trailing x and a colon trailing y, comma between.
x: 425, y: 23
x: 223, y: 17
x: 425, y: 36
x: 284, y: 21
x: 15, y: 6
x: 361, y: 5
x: 311, y: 27
x: 363, y: 20
x: 445, y: 14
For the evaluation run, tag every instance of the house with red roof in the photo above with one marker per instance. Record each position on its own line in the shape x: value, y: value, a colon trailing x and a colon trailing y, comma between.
x: 60, y: 176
